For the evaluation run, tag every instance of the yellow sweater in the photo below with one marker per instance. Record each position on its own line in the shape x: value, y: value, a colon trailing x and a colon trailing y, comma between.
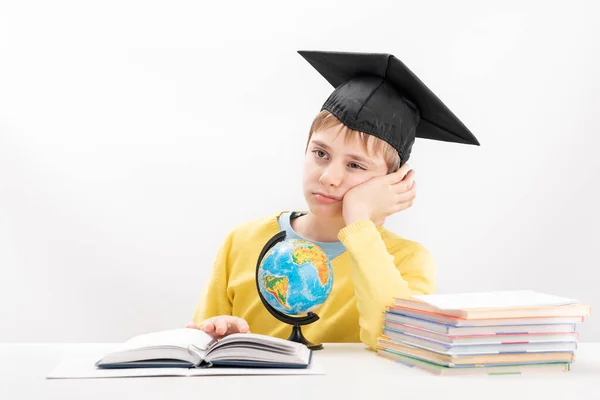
x: 376, y: 267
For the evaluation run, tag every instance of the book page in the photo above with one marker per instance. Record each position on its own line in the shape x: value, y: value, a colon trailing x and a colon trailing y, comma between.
x: 262, y: 339
x: 182, y: 337
x: 498, y: 299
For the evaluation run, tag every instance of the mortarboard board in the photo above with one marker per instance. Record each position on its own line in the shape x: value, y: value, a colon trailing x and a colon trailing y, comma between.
x: 377, y: 94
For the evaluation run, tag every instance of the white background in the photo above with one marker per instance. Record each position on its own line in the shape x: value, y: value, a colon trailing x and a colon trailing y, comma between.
x: 135, y: 135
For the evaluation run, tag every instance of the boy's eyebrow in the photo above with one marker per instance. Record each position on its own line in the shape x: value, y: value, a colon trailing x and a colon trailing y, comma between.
x: 361, y: 159
x: 321, y: 144
x: 355, y: 157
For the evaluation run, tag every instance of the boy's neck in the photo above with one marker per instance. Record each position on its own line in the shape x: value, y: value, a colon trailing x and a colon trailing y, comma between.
x: 318, y: 229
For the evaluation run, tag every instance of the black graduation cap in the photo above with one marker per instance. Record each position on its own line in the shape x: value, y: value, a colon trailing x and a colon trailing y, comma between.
x: 377, y: 94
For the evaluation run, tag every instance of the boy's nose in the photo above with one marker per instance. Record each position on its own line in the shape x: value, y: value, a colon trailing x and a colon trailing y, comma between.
x: 331, y: 176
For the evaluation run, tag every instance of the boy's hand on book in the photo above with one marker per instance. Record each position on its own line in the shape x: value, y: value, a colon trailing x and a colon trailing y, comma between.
x: 380, y: 197
x: 222, y: 325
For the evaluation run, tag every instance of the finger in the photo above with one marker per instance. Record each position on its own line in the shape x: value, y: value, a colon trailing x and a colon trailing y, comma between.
x: 242, y: 325
x: 397, y: 176
x: 408, y: 195
x: 405, y: 184
x: 192, y: 325
x: 221, y: 326
x: 405, y: 198
x: 401, y: 206
x: 208, y: 326
x: 410, y: 175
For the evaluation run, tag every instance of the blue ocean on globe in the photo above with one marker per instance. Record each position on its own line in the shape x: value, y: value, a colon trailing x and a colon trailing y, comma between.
x: 295, y: 277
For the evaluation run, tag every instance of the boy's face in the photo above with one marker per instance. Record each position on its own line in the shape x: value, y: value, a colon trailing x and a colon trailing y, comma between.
x: 333, y: 166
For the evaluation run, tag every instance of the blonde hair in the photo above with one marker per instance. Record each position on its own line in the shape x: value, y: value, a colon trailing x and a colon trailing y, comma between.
x: 326, y: 120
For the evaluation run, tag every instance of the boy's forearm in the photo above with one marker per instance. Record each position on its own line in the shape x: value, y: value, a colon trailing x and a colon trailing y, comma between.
x: 377, y: 278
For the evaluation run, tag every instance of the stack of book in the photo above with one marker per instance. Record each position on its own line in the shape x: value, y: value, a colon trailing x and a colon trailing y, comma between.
x: 483, y: 333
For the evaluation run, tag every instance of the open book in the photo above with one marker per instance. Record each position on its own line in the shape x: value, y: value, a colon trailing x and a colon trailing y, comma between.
x: 193, y: 348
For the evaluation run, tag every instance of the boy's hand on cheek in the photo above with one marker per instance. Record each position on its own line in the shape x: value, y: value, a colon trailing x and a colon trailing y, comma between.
x: 380, y: 197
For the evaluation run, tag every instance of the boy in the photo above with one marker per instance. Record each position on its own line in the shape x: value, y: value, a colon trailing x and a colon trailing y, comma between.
x: 355, y: 175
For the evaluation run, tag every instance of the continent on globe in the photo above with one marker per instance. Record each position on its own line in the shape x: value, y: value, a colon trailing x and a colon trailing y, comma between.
x: 317, y: 258
x: 278, y: 287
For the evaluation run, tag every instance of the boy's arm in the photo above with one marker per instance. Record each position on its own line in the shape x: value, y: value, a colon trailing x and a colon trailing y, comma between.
x: 215, y: 300
x: 379, y: 276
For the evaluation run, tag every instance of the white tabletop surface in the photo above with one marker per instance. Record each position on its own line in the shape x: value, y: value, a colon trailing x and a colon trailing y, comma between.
x: 351, y: 371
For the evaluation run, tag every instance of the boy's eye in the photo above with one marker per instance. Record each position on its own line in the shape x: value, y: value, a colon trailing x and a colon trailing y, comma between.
x: 319, y: 153
x: 355, y: 166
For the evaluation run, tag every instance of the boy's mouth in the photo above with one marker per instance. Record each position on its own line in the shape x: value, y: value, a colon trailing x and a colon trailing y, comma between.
x: 323, y: 198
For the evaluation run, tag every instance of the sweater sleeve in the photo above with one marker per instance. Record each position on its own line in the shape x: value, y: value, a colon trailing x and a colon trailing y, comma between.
x: 214, y: 299
x: 380, y: 273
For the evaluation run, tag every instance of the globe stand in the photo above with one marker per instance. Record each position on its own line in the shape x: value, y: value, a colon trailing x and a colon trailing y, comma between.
x: 298, y: 337
x: 296, y: 322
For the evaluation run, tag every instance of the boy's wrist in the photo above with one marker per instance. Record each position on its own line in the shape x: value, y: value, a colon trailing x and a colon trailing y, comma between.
x: 353, y: 217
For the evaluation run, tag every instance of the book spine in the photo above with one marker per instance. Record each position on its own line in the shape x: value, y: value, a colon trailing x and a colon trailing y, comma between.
x: 197, y: 353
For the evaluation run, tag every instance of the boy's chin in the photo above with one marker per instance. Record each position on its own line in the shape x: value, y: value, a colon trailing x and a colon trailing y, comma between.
x: 326, y: 210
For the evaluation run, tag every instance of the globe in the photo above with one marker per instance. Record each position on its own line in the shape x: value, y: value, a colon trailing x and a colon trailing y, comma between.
x: 295, y: 277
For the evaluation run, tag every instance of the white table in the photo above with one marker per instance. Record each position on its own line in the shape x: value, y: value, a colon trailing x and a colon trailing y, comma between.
x: 351, y: 372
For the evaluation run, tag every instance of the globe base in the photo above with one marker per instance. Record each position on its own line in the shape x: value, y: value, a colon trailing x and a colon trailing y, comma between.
x: 298, y: 337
